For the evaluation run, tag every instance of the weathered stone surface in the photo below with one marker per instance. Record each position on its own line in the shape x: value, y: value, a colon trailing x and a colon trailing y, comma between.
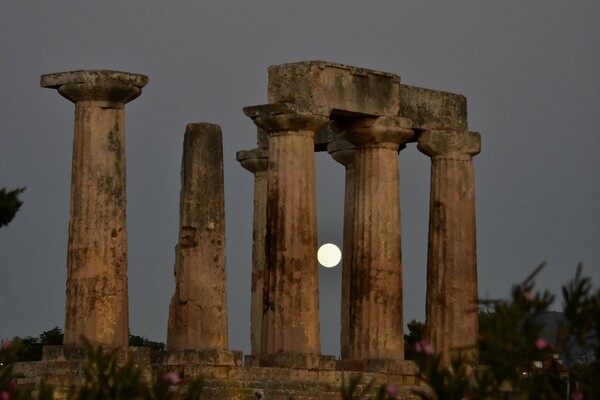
x: 327, y: 88
x: 257, y: 162
x: 376, y: 291
x: 291, y: 299
x: 96, y: 303
x: 235, y: 382
x: 96, y: 85
x: 451, y: 306
x: 344, y: 152
x: 198, y: 310
x: 199, y: 357
x: 433, y: 109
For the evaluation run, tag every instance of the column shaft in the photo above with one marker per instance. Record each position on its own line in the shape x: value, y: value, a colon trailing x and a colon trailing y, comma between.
x: 451, y: 306
x: 292, y: 308
x: 376, y: 323
x: 256, y: 161
x: 344, y: 153
x: 96, y: 308
x: 377, y: 282
x: 198, y: 311
x: 291, y: 294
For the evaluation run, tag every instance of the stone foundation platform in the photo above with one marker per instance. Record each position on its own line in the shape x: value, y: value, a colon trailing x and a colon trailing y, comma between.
x: 226, y: 374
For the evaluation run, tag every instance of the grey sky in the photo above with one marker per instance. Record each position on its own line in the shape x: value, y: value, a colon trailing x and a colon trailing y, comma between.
x: 530, y: 71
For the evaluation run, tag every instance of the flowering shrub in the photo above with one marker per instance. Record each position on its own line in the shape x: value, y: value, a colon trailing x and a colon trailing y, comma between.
x: 516, y: 360
x: 103, y: 378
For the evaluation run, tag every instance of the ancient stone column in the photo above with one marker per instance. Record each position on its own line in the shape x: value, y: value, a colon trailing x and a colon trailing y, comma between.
x: 376, y: 291
x: 198, y: 310
x: 451, y: 306
x: 96, y: 298
x: 257, y: 162
x: 344, y: 153
x: 291, y: 302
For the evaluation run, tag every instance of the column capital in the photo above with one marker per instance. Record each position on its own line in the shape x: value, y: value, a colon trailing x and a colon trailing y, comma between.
x: 285, y: 117
x: 342, y: 151
x: 385, y: 129
x: 256, y: 160
x: 96, y: 85
x: 440, y: 143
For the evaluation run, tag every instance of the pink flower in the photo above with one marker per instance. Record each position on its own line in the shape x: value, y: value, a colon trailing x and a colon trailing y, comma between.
x: 171, y: 378
x: 577, y: 396
x: 4, y: 395
x: 424, y: 346
x: 6, y: 344
x: 541, y: 344
x: 528, y: 296
x: 391, y: 390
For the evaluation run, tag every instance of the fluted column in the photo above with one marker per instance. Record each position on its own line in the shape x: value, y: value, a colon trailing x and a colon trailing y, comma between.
x: 451, y: 306
x: 257, y: 162
x: 198, y: 309
x: 376, y: 292
x: 291, y: 302
x: 343, y: 152
x: 96, y: 296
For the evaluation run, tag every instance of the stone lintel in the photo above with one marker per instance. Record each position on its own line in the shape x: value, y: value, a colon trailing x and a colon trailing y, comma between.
x: 297, y: 361
x: 93, y: 77
x: 335, y: 89
x: 433, y: 109
x: 200, y: 357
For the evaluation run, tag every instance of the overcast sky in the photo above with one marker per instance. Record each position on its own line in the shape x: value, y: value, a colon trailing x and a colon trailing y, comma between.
x: 530, y: 71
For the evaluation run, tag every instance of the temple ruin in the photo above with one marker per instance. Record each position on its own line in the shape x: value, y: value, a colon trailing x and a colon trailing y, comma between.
x: 363, y: 119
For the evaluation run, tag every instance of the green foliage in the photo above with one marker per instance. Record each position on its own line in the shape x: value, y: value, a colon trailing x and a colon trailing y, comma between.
x: 105, y: 379
x: 9, y: 205
x: 416, y: 332
x: 31, y: 347
x: 515, y: 359
x: 354, y: 390
x: 139, y: 341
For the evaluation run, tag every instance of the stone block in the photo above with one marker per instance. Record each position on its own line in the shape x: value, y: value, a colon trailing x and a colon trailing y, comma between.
x: 326, y: 88
x: 200, y: 357
x: 64, y: 353
x: 298, y: 361
x: 433, y: 109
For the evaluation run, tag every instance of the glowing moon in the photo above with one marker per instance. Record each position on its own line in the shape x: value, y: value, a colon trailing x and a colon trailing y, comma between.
x: 329, y: 255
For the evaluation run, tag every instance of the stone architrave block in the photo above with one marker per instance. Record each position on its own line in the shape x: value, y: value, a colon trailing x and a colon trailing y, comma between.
x: 433, y: 109
x: 326, y: 88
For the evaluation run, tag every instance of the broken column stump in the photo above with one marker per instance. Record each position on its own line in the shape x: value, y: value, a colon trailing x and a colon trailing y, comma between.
x: 198, y: 310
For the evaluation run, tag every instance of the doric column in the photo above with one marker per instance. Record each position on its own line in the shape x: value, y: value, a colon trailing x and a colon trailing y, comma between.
x: 451, y: 307
x: 343, y: 152
x: 96, y: 301
x: 291, y: 302
x: 257, y: 162
x: 376, y: 291
x: 198, y: 310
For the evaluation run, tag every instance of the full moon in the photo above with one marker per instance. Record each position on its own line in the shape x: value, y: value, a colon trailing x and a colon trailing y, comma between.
x: 329, y: 255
